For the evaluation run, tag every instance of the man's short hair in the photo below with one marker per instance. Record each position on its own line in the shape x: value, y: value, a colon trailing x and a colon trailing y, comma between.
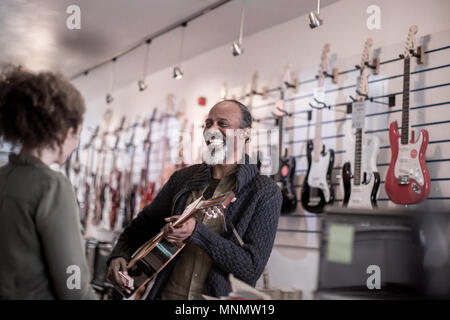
x: 246, y: 119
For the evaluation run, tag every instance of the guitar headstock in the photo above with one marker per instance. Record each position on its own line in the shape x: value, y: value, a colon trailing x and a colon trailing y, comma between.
x: 153, y: 117
x: 365, y: 55
x: 363, y: 85
x: 107, y: 118
x: 181, y: 110
x: 93, y: 136
x: 118, y: 131
x: 409, y: 45
x: 211, y: 207
x: 323, y: 67
x: 279, y: 105
x: 224, y: 91
x: 215, y: 206
x: 254, y: 86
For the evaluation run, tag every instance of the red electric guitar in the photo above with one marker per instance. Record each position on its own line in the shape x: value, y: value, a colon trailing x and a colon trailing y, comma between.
x: 146, y: 188
x: 407, y: 179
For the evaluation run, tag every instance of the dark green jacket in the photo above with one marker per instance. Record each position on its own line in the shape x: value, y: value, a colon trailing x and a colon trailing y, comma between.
x: 40, y: 234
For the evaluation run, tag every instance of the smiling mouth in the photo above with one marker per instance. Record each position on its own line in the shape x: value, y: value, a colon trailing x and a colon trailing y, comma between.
x: 215, y: 142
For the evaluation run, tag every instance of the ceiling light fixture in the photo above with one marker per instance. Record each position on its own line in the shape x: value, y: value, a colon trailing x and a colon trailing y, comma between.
x: 109, y: 97
x: 314, y: 17
x: 141, y: 83
x: 237, y: 45
x: 177, y: 73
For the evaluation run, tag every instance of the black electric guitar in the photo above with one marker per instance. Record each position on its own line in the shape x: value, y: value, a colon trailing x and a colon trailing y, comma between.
x: 317, y: 190
x: 287, y: 164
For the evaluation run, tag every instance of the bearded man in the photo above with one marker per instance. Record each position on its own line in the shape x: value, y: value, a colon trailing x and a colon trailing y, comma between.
x: 240, y: 244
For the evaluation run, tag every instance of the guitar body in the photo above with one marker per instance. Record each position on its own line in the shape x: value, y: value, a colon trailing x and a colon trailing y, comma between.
x: 106, y: 206
x: 286, y: 181
x: 116, y: 198
x: 365, y: 194
x: 317, y: 190
x: 407, y: 180
x: 146, y: 268
x: 147, y: 195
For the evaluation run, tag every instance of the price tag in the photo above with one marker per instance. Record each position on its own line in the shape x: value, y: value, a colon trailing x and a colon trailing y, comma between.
x: 358, y: 114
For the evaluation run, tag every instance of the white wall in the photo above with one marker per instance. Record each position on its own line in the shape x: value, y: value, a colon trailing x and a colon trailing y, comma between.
x: 293, y: 42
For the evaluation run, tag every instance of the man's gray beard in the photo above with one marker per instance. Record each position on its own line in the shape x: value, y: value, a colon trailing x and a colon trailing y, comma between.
x: 216, y: 155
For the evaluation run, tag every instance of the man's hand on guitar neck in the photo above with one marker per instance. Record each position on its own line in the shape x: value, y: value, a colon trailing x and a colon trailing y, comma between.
x: 177, y: 234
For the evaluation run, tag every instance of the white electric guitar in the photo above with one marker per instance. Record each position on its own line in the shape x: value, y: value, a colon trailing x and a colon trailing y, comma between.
x: 360, y: 176
x: 317, y: 190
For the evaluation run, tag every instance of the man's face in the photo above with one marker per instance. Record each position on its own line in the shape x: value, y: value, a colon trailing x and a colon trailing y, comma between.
x: 222, y: 117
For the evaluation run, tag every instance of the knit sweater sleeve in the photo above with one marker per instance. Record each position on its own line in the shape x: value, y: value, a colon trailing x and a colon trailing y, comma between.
x: 246, y: 263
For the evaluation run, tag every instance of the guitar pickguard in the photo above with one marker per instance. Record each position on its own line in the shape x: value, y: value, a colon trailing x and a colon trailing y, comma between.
x: 318, y: 175
x: 408, y: 164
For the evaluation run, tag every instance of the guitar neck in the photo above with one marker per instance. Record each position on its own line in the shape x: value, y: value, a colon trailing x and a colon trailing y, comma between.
x: 405, y: 108
x: 358, y: 146
x: 318, y: 135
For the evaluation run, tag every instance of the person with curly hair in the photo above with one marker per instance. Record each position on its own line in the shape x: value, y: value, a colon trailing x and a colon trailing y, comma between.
x: 41, y: 246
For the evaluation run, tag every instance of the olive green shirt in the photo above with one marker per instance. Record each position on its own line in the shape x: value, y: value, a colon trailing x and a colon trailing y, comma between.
x: 41, y: 246
x: 192, y: 267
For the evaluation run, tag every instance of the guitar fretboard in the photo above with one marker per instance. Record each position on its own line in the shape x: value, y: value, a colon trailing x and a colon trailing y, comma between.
x: 405, y: 108
x: 357, y: 170
x: 318, y: 135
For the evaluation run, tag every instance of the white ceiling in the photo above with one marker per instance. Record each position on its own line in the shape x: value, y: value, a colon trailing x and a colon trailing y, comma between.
x: 34, y: 33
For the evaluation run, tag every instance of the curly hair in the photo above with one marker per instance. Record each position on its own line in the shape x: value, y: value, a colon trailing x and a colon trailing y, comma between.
x: 37, y: 110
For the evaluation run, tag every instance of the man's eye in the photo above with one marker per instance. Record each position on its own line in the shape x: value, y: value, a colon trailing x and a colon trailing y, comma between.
x: 223, y: 124
x: 207, y: 124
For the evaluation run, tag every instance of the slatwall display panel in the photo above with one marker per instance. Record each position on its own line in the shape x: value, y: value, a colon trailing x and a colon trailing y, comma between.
x: 429, y: 109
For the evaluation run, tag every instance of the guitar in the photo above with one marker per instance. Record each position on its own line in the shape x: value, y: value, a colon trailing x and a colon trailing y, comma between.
x: 317, y: 190
x: 101, y: 190
x: 116, y: 181
x: 130, y: 188
x: 286, y: 172
x: 167, y: 167
x: 156, y: 253
x: 146, y: 188
x: 361, y: 193
x: 407, y: 178
x: 89, y: 183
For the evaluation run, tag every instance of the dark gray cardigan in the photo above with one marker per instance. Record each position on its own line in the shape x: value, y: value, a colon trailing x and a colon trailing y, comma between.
x: 254, y: 215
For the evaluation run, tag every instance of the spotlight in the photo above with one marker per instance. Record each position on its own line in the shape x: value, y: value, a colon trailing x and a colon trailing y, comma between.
x: 142, y: 85
x: 109, y: 98
x: 314, y: 18
x: 237, y: 45
x: 177, y: 73
x: 237, y: 49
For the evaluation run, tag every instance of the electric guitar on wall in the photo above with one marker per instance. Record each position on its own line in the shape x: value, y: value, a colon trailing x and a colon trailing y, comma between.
x: 147, y: 188
x: 89, y: 182
x: 100, y: 184
x: 407, y: 179
x: 317, y: 190
x: 130, y: 188
x: 287, y: 164
x: 360, y: 177
x: 116, y: 181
